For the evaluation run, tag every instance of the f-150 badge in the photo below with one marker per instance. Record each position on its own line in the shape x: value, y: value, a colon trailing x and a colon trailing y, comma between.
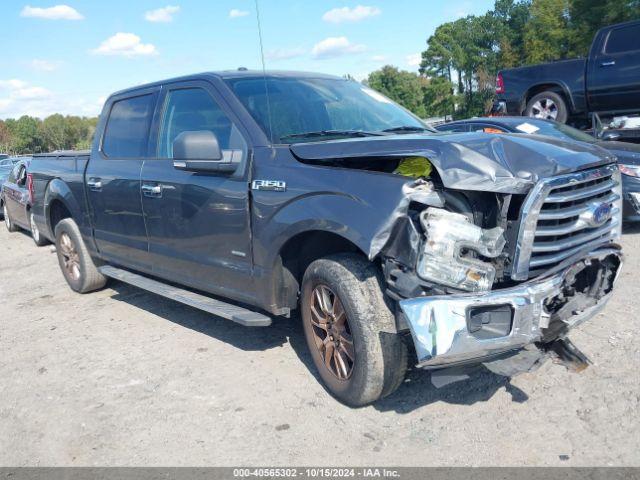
x: 270, y: 185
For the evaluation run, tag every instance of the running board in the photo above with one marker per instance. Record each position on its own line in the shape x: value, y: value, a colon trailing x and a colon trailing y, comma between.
x: 234, y: 313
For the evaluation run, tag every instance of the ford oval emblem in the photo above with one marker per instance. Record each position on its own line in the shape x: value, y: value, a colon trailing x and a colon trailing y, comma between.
x: 600, y: 213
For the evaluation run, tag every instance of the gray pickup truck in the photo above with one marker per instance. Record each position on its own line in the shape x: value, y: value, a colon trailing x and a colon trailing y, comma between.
x: 254, y: 195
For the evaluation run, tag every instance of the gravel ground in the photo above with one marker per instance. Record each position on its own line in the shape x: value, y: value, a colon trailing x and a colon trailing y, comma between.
x: 123, y: 377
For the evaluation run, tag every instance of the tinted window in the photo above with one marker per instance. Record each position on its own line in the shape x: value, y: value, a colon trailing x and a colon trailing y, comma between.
x: 626, y: 39
x: 301, y: 105
x: 192, y: 110
x: 21, y: 178
x: 460, y: 127
x: 127, y: 129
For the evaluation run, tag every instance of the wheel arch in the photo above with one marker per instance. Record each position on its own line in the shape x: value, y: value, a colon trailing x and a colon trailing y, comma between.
x: 552, y: 86
x: 296, y: 253
x: 59, y: 203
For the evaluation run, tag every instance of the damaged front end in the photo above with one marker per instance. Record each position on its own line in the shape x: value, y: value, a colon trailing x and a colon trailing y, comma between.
x: 491, y: 274
x: 508, y: 244
x: 452, y: 329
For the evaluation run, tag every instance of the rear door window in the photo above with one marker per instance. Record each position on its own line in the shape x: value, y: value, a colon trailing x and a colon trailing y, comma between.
x: 127, y: 132
x: 21, y: 178
x: 14, y: 174
x: 624, y: 39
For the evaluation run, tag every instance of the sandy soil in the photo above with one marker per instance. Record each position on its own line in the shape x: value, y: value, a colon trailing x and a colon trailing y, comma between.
x: 123, y: 377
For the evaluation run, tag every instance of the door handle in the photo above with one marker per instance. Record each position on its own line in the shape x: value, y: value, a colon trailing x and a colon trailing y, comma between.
x: 608, y: 64
x: 94, y: 184
x: 151, y: 190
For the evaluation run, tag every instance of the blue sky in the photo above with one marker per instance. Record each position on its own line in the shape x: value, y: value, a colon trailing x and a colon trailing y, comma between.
x: 67, y: 56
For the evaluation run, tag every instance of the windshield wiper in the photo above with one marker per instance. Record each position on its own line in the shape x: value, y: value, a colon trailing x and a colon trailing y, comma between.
x: 406, y: 128
x: 332, y: 133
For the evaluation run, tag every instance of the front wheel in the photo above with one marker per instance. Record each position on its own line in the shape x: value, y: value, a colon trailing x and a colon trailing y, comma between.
x: 39, y: 240
x: 548, y: 106
x: 350, y: 330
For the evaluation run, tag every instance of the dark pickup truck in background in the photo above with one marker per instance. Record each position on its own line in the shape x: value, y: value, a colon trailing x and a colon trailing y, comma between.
x: 250, y: 195
x: 607, y: 82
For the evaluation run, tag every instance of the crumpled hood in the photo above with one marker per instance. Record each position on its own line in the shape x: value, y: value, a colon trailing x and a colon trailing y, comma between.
x: 509, y: 163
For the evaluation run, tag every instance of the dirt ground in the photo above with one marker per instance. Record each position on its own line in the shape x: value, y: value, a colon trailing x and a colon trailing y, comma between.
x: 123, y: 377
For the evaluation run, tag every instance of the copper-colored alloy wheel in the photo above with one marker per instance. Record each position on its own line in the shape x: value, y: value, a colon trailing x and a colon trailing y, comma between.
x: 70, y: 257
x: 331, y: 332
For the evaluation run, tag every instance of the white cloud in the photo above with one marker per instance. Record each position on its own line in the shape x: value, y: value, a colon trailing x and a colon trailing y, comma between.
x: 335, y: 47
x: 126, y: 45
x: 235, y: 13
x: 44, y: 65
x: 414, y: 59
x: 346, y: 14
x: 18, y: 98
x: 17, y: 89
x: 284, y: 53
x: 59, y: 12
x: 379, y: 58
x: 162, y: 15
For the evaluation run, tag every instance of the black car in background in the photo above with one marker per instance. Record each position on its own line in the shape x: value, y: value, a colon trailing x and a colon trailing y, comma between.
x: 6, y: 165
x: 15, y: 199
x: 628, y: 154
x: 606, y: 82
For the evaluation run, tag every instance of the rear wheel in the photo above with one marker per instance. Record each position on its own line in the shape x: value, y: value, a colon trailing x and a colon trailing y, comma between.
x: 35, y: 232
x: 75, y: 262
x: 548, y: 106
x: 7, y: 219
x: 350, y: 330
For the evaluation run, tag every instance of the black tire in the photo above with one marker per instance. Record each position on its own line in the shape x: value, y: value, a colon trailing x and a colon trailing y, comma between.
x: 380, y: 361
x: 38, y: 238
x: 554, y: 107
x: 75, y: 262
x: 7, y: 219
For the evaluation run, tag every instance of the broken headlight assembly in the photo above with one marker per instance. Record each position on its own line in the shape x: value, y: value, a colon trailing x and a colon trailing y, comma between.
x: 448, y: 257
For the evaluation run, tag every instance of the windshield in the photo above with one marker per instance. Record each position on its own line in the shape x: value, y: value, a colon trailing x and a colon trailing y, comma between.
x: 329, y: 107
x: 554, y: 129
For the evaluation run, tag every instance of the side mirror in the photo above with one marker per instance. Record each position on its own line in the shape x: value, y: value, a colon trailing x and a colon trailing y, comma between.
x: 200, y: 151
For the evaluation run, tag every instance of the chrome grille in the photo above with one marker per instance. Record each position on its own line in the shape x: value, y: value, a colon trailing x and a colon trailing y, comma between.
x: 559, y: 218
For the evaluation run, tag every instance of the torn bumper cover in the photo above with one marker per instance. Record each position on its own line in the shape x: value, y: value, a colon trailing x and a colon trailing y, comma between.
x: 460, y: 328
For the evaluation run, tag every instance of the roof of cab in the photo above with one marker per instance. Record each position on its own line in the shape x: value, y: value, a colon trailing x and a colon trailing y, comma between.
x: 231, y: 74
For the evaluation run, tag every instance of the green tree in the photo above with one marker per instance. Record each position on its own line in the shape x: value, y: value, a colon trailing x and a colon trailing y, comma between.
x: 587, y: 16
x: 6, y: 138
x: 26, y: 133
x: 404, y: 87
x: 54, y: 134
x: 547, y: 33
x: 511, y: 18
x: 438, y: 100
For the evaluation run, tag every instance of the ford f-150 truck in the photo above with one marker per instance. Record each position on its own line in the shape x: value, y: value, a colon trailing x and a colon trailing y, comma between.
x: 606, y: 82
x: 251, y: 195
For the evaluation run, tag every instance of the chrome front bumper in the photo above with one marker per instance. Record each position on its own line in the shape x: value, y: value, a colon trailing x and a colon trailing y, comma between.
x: 438, y: 324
